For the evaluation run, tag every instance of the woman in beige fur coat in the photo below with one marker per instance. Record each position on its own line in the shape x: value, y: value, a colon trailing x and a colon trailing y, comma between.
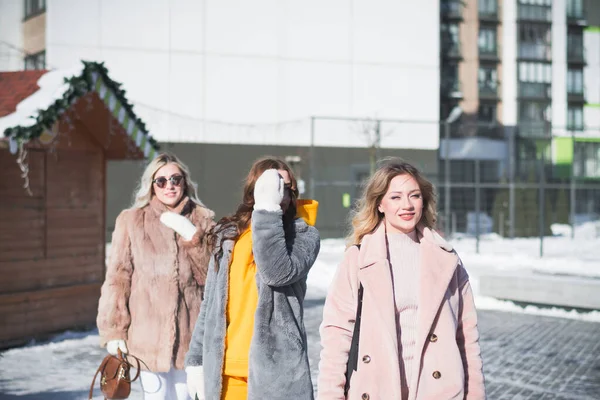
x: 155, y: 277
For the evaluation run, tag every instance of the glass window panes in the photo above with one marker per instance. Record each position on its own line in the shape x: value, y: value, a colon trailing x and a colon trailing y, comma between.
x: 34, y: 7
x: 487, y: 7
x: 575, y: 44
x: 536, y: 10
x: 487, y: 77
x: 586, y: 159
x: 575, y: 81
x: 575, y: 8
x: 450, y: 36
x: 35, y: 61
x: 575, y: 117
x: 487, y: 40
x: 535, y: 72
x: 486, y: 112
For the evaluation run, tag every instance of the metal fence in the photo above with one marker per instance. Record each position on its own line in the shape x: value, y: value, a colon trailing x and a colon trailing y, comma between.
x: 492, y: 181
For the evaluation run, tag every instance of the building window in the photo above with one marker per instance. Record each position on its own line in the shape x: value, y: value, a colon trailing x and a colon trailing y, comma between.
x: 487, y: 79
x: 575, y: 45
x: 575, y: 118
x: 487, y: 7
x: 534, y: 118
x: 575, y: 81
x: 575, y: 9
x: 36, y: 61
x: 450, y: 38
x: 451, y: 7
x: 34, y: 7
x: 535, y: 42
x: 487, y: 40
x: 535, y: 10
x: 450, y: 83
x: 535, y: 72
x: 586, y: 159
x: 486, y: 113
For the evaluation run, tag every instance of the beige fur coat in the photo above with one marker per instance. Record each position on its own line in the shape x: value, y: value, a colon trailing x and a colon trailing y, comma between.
x: 154, y: 284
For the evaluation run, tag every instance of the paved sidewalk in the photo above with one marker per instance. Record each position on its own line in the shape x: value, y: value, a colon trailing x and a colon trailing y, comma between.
x: 541, y: 358
x: 525, y: 357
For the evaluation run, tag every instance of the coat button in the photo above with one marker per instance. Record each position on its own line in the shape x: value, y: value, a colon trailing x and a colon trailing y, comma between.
x: 366, y: 359
x: 365, y: 396
x: 433, y: 338
x: 436, y: 374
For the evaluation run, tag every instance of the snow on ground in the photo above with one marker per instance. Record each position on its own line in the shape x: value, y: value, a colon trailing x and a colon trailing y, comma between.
x: 562, y: 256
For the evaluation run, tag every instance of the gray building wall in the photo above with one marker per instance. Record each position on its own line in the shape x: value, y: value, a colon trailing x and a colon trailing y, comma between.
x: 220, y: 169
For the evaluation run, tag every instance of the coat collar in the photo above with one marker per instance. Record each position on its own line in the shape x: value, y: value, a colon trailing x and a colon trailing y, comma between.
x: 183, y: 208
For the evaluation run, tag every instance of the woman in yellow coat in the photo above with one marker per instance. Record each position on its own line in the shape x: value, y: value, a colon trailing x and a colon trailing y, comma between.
x: 249, y: 341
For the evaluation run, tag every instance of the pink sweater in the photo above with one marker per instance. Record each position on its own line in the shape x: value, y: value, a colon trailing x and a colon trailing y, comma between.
x: 404, y: 254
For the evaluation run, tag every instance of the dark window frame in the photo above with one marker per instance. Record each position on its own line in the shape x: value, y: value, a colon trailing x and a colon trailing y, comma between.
x: 487, y: 7
x: 487, y: 112
x: 490, y: 46
x: 33, y: 8
x: 575, y: 81
x: 576, y: 9
x: 575, y: 117
x: 36, y: 61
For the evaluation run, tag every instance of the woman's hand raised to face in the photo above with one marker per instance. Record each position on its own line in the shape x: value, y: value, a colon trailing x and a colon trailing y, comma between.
x: 179, y: 224
x: 268, y: 191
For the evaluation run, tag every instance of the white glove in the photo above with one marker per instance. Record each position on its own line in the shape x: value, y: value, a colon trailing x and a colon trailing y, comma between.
x: 113, y: 345
x: 195, y: 381
x: 268, y: 191
x: 179, y: 224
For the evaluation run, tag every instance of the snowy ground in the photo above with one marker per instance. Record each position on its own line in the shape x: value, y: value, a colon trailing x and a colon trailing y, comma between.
x: 62, y: 368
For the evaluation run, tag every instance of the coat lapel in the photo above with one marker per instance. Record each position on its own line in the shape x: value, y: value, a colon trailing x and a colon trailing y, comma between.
x: 375, y: 275
x: 438, y: 264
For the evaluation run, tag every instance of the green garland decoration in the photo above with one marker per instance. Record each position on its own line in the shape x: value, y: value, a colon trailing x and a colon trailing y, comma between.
x: 78, y: 87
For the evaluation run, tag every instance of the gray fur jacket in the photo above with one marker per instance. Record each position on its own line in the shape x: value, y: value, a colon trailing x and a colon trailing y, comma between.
x: 278, y: 360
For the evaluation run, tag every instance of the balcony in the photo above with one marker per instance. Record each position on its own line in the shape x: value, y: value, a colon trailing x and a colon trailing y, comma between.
x: 488, y: 90
x: 534, y: 129
x: 489, y: 54
x: 535, y: 51
x: 451, y: 50
x: 535, y: 90
x: 576, y: 96
x: 575, y: 54
x: 536, y: 13
x: 451, y: 89
x: 489, y: 12
x: 451, y: 10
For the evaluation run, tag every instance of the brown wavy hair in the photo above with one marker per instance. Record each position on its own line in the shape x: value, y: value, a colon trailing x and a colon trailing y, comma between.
x: 367, y: 217
x: 240, y: 220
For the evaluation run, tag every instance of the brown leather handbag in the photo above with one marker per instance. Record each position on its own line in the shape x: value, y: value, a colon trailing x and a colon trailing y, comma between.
x: 115, y: 380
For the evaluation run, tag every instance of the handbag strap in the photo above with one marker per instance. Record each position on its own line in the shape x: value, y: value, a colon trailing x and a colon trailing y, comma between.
x: 100, y: 368
x: 352, y: 363
x: 124, y: 360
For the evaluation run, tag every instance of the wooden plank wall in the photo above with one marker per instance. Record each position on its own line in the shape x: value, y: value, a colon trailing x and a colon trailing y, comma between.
x: 51, y: 243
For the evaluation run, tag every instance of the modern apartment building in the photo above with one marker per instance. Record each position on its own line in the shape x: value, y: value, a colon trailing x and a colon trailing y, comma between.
x: 525, y: 66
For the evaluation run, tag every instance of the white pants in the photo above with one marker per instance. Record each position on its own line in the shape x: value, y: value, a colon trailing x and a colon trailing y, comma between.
x: 164, y: 385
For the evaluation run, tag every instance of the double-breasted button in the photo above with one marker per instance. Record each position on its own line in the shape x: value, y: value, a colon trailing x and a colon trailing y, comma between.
x: 433, y: 338
x: 436, y: 374
x: 367, y: 359
x: 365, y: 396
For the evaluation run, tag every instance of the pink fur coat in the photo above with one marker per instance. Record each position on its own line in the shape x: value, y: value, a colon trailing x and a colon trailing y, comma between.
x: 154, y: 284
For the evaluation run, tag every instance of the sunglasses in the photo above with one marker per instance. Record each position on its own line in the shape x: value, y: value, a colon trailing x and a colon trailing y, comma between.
x: 161, y: 182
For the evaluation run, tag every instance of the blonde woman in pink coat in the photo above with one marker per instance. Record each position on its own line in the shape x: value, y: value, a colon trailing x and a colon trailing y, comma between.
x: 418, y: 328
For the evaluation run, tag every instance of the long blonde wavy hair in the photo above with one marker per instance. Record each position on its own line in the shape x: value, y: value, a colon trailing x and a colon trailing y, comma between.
x: 145, y: 190
x: 367, y: 217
